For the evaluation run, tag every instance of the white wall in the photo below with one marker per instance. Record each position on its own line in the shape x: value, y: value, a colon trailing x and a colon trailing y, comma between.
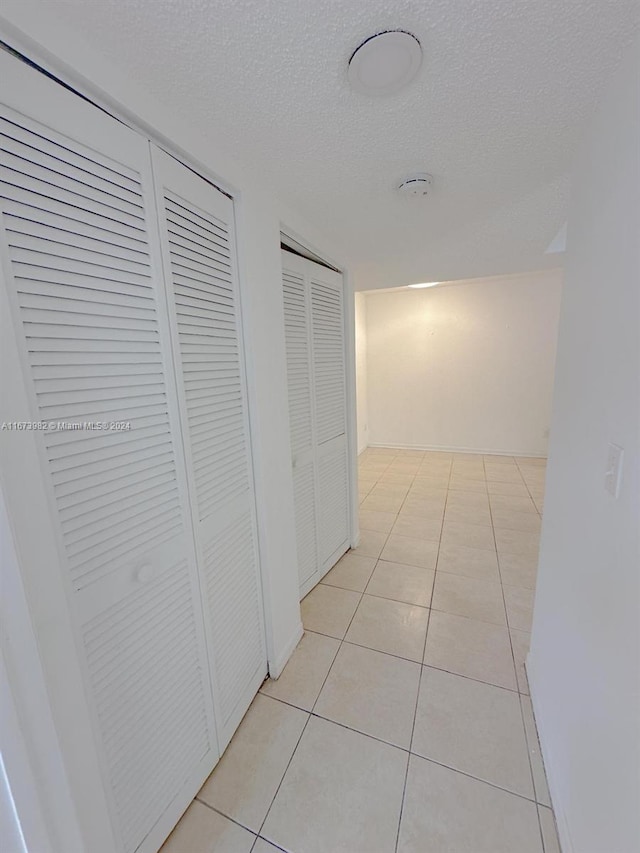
x: 361, y: 371
x: 465, y: 366
x: 584, y: 665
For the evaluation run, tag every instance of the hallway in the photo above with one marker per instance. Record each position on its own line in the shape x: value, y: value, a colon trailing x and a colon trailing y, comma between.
x: 403, y: 721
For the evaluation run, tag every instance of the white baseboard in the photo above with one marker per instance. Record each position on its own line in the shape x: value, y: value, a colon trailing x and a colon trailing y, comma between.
x: 562, y: 824
x: 489, y: 451
x: 276, y: 666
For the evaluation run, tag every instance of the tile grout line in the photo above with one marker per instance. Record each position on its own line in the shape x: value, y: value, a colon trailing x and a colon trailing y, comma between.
x: 515, y: 669
x: 422, y: 664
x: 409, y: 752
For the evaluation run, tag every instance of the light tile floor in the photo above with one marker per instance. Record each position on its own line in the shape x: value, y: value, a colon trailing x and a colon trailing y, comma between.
x: 402, y: 723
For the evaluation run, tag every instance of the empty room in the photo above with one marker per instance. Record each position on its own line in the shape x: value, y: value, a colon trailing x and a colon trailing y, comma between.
x: 320, y: 426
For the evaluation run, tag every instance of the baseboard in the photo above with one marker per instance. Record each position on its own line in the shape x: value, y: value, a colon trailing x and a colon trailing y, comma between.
x: 276, y: 666
x: 452, y: 449
x: 562, y: 824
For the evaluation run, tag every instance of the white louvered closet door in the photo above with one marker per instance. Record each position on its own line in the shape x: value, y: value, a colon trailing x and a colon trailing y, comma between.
x: 83, y: 273
x: 299, y: 380
x: 198, y: 242
x: 329, y: 382
x: 314, y: 336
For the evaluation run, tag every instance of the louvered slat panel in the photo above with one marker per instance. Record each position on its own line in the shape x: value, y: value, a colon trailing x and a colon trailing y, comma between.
x: 80, y: 246
x: 298, y: 367
x: 199, y: 258
x: 305, y: 515
x: 333, y: 500
x: 229, y: 564
x: 88, y: 311
x: 206, y: 321
x: 328, y: 361
x: 148, y: 686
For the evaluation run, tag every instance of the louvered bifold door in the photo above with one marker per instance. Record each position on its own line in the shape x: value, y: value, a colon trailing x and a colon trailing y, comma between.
x: 299, y: 381
x: 83, y: 273
x: 329, y: 383
x: 197, y: 235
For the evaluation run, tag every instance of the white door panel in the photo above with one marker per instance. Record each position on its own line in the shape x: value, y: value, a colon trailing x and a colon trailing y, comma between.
x: 314, y: 334
x: 197, y: 236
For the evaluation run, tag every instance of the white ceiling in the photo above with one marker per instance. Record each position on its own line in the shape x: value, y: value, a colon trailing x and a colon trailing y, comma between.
x: 495, y: 113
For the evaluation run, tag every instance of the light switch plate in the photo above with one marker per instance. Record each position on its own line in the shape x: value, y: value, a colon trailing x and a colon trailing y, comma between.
x: 613, y: 473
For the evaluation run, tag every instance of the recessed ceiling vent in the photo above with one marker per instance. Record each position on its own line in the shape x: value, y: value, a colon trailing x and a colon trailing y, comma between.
x: 385, y: 63
x: 420, y: 183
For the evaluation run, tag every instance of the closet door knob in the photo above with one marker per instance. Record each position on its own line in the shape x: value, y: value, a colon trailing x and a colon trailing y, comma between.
x: 144, y: 573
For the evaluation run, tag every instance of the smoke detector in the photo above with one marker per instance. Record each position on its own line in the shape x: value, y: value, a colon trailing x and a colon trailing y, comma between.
x: 420, y: 183
x: 385, y: 63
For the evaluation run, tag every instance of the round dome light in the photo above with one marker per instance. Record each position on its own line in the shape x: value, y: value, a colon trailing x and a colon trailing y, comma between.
x: 385, y: 63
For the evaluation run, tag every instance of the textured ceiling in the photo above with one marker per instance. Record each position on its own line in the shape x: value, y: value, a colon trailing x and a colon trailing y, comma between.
x: 495, y: 113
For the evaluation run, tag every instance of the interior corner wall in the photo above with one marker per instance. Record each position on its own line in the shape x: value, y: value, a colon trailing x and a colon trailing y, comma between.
x: 584, y: 664
x: 361, y: 371
x: 467, y: 366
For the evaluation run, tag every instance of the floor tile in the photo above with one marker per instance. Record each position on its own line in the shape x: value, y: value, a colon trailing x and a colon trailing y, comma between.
x: 411, y: 584
x: 389, y: 626
x: 201, y: 830
x: 342, y: 793
x: 460, y: 471
x: 427, y: 483
x: 519, y: 603
x: 373, y: 693
x: 447, y: 812
x: 468, y: 514
x: 520, y: 641
x: 471, y: 535
x: 515, y: 489
x: 328, y: 610
x: 419, y: 528
x: 461, y: 485
x: 398, y: 479
x: 427, y: 508
x: 473, y: 727
x: 511, y: 520
x: 549, y: 832
x: 379, y: 521
x: 370, y: 544
x: 518, y: 570
x: 470, y: 647
x: 511, y: 503
x: 517, y: 542
x: 381, y: 504
x: 478, y: 599
x: 525, y: 461
x: 469, y: 562
x: 262, y: 846
x: 410, y: 551
x: 351, y: 571
x: 535, y: 756
x: 503, y: 474
x: 395, y: 490
x: 247, y: 776
x: 303, y: 676
x: 473, y: 500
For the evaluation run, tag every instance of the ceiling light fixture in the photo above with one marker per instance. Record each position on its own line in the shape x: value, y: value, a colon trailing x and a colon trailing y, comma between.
x: 385, y: 63
x: 425, y: 284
